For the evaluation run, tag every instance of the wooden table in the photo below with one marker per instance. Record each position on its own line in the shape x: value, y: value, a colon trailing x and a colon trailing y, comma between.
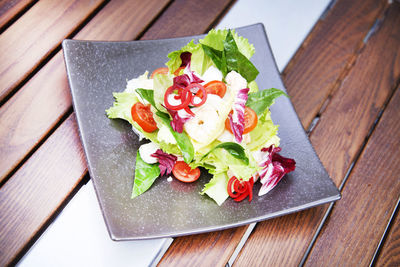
x: 344, y: 82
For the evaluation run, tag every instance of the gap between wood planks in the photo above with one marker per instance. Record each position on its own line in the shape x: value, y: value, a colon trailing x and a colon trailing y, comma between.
x: 39, y: 67
x: 372, y: 31
x: 17, y: 15
x: 351, y: 62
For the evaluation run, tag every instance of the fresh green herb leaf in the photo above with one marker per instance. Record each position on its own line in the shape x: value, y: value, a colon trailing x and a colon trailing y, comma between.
x: 218, y: 57
x: 261, y: 100
x: 237, y: 61
x: 147, y: 95
x: 234, y: 149
x: 183, y: 141
x: 145, y: 175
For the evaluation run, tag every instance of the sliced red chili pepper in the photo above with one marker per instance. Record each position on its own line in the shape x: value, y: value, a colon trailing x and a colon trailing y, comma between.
x: 199, y: 88
x: 186, y: 97
x: 230, y: 192
x: 241, y: 189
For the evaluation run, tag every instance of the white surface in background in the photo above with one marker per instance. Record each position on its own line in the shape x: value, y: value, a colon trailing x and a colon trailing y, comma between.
x: 78, y: 237
x: 287, y: 22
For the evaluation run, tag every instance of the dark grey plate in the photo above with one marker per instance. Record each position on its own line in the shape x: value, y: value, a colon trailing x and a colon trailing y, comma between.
x: 96, y: 69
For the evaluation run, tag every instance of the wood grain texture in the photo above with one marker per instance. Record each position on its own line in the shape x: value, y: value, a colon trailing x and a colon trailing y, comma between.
x: 10, y: 8
x: 39, y: 188
x: 369, y: 197
x: 390, y: 251
x: 203, y: 13
x: 345, y: 123
x: 32, y: 195
x: 353, y: 109
x: 210, y: 249
x: 39, y: 105
x: 35, y: 35
x: 327, y: 53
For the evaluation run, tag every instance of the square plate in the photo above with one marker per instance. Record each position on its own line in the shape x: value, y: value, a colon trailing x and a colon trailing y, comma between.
x: 96, y: 69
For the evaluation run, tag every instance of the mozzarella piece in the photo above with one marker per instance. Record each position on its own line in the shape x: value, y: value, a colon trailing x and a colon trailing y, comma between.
x: 235, y: 82
x: 208, y: 122
x: 146, y: 150
x: 212, y: 74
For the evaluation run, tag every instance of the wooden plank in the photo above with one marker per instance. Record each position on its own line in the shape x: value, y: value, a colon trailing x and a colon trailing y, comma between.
x: 11, y: 8
x: 390, y: 251
x: 345, y: 123
x: 204, y: 14
x: 38, y: 189
x: 58, y: 85
x: 24, y: 47
x: 26, y: 118
x: 325, y: 56
x: 23, y: 210
x: 369, y: 197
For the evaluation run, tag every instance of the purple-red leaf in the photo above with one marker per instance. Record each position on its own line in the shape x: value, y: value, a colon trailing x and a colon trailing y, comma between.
x: 166, y: 161
x: 275, y: 167
x: 185, y: 57
x: 178, y: 119
x: 236, y: 119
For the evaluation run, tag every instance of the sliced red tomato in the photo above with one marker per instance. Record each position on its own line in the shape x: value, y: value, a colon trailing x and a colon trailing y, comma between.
x: 163, y: 70
x: 184, y: 173
x: 250, y: 121
x: 216, y: 88
x: 144, y: 117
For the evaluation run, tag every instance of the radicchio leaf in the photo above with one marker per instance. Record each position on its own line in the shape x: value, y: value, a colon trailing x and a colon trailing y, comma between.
x: 166, y: 161
x: 178, y: 120
x: 186, y: 78
x: 185, y: 57
x: 275, y: 167
x: 236, y: 119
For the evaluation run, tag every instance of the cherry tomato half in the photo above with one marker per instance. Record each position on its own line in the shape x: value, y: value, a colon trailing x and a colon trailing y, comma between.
x: 144, y: 117
x: 184, y: 173
x: 250, y: 121
x: 163, y: 70
x: 216, y: 88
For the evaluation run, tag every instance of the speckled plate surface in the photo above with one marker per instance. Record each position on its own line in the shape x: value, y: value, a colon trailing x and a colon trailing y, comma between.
x: 96, y: 69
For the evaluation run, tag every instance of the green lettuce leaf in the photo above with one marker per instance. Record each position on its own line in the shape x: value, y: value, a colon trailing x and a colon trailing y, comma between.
x: 236, y: 61
x: 200, y: 62
x: 220, y: 160
x: 234, y: 149
x: 160, y: 84
x: 183, y: 141
x: 215, y: 39
x: 265, y: 133
x: 121, y: 108
x: 216, y: 188
x: 262, y: 100
x: 218, y: 57
x: 145, y: 175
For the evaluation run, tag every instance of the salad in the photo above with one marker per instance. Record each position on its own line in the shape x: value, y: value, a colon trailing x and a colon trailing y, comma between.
x: 204, y: 110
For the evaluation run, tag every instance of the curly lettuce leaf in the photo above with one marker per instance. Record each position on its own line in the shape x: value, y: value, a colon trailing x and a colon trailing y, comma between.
x: 262, y: 100
x: 234, y: 149
x: 200, y: 62
x: 121, y: 109
x: 265, y: 133
x: 145, y: 175
x: 215, y: 39
x: 236, y: 61
x: 216, y: 188
x: 182, y: 140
